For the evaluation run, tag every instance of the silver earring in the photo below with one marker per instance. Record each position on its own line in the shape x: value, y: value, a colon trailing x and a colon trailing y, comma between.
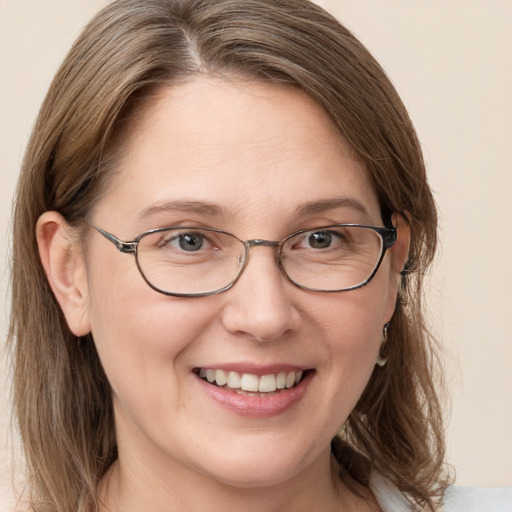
x: 381, y: 361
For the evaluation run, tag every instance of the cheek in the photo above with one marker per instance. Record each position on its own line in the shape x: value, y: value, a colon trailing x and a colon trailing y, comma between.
x: 143, y: 349
x: 354, y: 352
x: 140, y: 334
x: 351, y: 328
x: 353, y: 321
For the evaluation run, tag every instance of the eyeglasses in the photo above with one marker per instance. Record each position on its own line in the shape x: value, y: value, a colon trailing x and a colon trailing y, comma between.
x: 186, y: 261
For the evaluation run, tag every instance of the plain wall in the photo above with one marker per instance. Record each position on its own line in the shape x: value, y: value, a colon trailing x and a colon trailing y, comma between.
x: 452, y: 64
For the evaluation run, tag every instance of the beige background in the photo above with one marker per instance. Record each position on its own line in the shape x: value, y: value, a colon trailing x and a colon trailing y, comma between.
x: 452, y: 63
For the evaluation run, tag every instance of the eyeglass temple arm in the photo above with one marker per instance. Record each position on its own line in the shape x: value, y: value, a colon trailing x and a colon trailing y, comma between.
x: 389, y: 233
x: 126, y: 247
x: 389, y: 236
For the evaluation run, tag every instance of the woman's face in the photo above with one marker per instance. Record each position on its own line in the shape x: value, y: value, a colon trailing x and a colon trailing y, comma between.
x: 260, y: 161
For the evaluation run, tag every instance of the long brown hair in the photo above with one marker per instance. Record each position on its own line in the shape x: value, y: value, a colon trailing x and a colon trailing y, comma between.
x: 61, y: 394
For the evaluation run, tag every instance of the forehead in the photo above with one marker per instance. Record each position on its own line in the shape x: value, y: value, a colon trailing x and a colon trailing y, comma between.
x: 251, y: 149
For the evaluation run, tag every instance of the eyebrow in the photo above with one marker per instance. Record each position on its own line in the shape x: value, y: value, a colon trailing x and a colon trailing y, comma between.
x: 214, y: 210
x: 200, y: 207
x: 332, y: 204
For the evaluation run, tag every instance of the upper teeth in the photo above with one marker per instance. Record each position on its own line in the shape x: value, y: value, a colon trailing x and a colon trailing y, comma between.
x: 250, y: 382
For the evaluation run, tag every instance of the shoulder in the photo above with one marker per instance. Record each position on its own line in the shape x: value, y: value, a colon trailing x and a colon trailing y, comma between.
x: 456, y: 498
x: 478, y: 499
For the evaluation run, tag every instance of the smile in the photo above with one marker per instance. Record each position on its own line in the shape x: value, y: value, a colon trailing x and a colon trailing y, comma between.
x: 249, y: 383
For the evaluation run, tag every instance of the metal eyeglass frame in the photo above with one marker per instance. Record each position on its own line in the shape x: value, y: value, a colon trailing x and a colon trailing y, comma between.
x: 388, y: 235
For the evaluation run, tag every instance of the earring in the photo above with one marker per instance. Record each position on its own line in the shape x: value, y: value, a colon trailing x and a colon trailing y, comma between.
x: 381, y: 361
x: 342, y: 430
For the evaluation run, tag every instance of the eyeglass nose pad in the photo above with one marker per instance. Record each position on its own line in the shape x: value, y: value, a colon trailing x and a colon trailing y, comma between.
x: 242, y: 259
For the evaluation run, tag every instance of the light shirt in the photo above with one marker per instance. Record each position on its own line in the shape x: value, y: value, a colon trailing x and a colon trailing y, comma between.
x: 456, y: 499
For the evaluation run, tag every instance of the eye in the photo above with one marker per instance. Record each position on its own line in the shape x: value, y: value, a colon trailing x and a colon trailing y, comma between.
x: 189, y: 242
x: 322, y: 241
x: 319, y: 239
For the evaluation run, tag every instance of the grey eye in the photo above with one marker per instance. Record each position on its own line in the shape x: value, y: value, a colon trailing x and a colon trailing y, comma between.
x: 320, y: 240
x: 190, y: 241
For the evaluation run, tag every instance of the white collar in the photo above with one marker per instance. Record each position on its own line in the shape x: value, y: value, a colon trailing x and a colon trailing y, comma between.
x: 387, y: 495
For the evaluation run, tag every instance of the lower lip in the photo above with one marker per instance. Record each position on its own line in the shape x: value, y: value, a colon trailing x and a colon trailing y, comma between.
x: 261, y: 406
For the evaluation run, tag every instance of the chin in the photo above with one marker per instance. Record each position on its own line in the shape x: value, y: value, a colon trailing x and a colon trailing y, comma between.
x: 260, y: 468
x: 249, y: 476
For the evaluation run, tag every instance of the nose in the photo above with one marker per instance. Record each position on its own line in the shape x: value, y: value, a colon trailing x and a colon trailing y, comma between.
x: 259, y: 305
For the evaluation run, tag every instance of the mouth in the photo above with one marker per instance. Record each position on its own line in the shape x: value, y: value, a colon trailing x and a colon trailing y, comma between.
x: 251, y: 384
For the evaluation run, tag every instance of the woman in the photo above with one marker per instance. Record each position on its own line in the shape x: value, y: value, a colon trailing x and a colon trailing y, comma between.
x: 261, y: 345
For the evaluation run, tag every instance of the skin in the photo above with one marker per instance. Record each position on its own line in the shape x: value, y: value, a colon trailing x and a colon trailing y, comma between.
x: 259, y: 152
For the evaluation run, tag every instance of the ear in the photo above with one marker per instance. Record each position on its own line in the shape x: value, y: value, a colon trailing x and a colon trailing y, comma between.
x: 399, y: 254
x: 400, y: 250
x: 64, y: 264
